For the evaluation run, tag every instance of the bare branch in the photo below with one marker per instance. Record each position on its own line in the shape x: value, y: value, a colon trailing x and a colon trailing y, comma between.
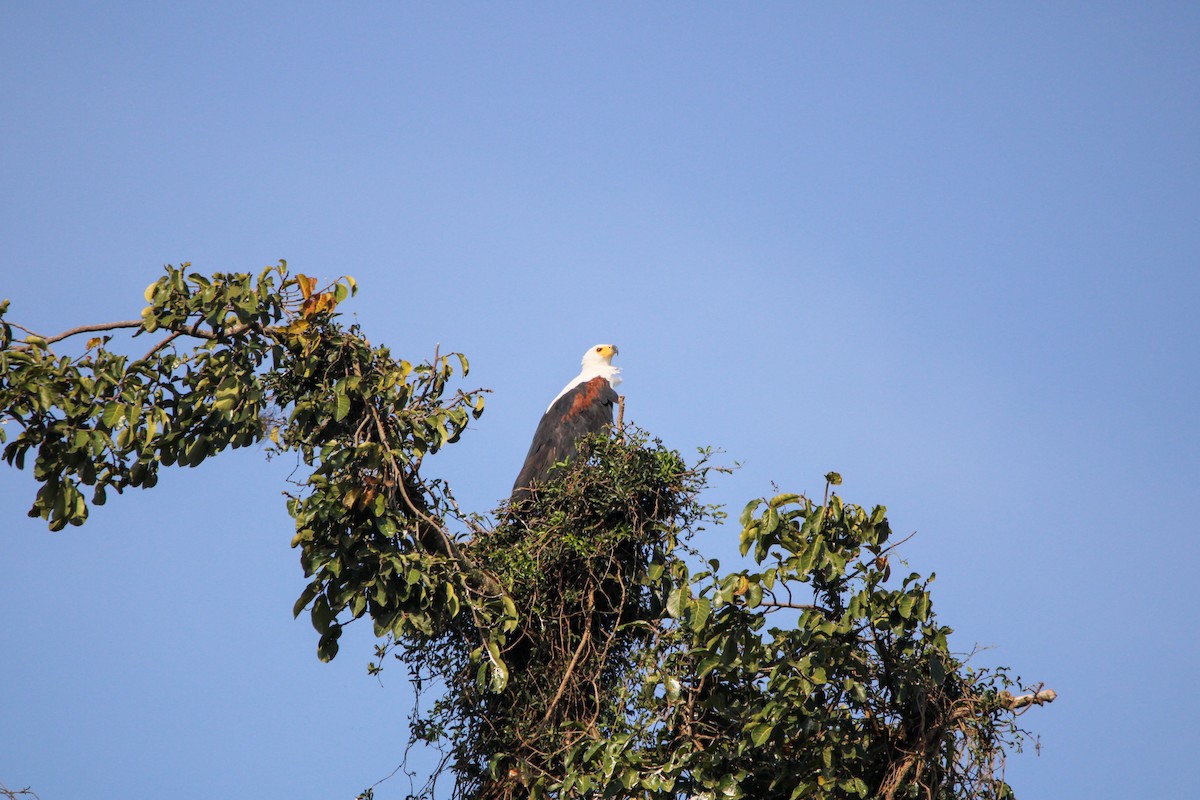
x: 100, y: 326
x: 1039, y: 698
x: 183, y: 330
x: 14, y: 794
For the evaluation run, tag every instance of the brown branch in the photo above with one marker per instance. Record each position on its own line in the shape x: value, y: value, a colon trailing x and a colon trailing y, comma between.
x: 104, y: 326
x: 236, y: 330
x: 775, y: 602
x: 13, y: 794
x: 162, y: 344
x: 183, y: 330
x: 566, y: 678
x: 801, y: 606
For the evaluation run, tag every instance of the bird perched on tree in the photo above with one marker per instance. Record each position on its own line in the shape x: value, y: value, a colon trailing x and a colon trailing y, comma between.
x: 585, y: 405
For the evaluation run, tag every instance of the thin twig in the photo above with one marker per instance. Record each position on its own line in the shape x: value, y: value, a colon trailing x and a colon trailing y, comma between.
x: 801, y: 606
x: 13, y: 794
x: 162, y: 344
x: 621, y: 416
x: 566, y: 678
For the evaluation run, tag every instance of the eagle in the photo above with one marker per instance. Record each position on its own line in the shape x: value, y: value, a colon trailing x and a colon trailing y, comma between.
x: 585, y: 405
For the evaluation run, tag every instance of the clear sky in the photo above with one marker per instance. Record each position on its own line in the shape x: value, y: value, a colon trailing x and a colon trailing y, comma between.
x: 949, y: 250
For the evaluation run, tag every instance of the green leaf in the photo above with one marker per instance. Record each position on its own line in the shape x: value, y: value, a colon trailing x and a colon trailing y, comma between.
x: 754, y: 595
x: 197, y: 450
x: 700, y: 609
x: 227, y: 395
x: 707, y: 664
x: 677, y: 602
x: 112, y: 413
x: 452, y: 604
x: 327, y: 645
x: 760, y: 733
x: 322, y: 615
x: 856, y: 785
x: 498, y: 669
x: 783, y: 500
x: 748, y: 511
x: 937, y: 670
x: 511, y: 620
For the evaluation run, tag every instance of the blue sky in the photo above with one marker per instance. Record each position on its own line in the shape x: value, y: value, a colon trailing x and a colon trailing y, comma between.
x: 949, y: 250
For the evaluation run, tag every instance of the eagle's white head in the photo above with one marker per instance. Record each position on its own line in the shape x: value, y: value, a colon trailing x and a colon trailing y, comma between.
x: 597, y: 362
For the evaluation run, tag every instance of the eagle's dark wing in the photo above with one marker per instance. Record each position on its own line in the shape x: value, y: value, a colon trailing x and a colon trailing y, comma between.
x: 585, y: 409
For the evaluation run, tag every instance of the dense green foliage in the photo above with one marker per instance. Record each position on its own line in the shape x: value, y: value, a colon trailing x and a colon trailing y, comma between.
x: 812, y: 675
x: 577, y: 647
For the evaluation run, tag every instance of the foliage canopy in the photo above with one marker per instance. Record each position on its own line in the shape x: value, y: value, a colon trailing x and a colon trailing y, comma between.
x: 578, y: 646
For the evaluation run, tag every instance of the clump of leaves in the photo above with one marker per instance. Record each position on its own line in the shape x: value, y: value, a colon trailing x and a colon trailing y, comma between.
x: 244, y: 360
x: 852, y: 692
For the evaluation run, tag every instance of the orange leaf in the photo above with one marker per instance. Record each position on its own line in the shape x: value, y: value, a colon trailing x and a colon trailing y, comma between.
x: 296, y: 327
x: 306, y: 285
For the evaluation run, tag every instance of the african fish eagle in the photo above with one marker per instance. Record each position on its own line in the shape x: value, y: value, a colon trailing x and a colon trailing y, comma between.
x: 585, y: 405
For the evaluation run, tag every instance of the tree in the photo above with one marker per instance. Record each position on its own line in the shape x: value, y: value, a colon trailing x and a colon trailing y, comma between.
x: 580, y: 646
